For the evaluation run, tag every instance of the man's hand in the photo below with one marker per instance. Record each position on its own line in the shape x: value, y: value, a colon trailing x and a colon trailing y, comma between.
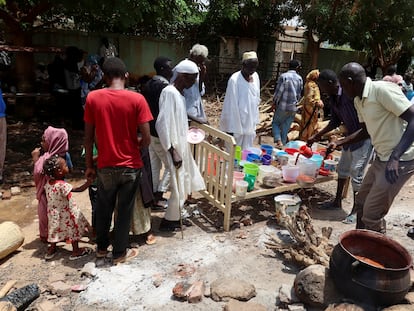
x: 90, y: 174
x: 177, y: 160
x: 313, y: 139
x: 391, y: 170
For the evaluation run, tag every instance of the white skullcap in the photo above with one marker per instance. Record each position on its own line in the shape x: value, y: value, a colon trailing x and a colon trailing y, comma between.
x: 186, y: 66
x: 249, y: 55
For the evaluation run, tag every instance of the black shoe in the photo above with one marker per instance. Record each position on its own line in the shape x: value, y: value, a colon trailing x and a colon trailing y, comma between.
x: 330, y: 206
x: 186, y: 222
x: 169, y: 225
x: 160, y: 206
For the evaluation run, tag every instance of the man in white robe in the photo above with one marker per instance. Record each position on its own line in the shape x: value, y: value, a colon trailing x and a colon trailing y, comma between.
x: 240, y: 113
x: 193, y: 94
x: 172, y: 128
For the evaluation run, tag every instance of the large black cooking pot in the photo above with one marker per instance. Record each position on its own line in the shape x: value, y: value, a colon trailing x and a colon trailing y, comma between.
x: 369, y: 267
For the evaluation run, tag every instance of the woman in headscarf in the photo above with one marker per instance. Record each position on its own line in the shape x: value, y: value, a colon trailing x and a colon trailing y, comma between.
x: 54, y: 141
x: 311, y: 104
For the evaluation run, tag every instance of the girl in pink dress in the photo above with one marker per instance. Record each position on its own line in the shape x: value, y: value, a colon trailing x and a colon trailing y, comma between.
x: 54, y: 141
x: 65, y: 219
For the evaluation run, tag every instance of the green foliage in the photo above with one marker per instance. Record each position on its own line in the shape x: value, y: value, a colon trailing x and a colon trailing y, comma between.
x: 248, y: 18
x: 386, y: 28
x: 161, y: 18
x: 382, y: 28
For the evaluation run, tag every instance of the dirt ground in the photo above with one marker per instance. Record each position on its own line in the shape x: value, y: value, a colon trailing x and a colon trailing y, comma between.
x: 204, y: 252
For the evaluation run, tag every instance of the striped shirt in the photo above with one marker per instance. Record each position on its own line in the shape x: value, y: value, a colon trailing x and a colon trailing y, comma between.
x: 343, y: 112
x: 288, y: 91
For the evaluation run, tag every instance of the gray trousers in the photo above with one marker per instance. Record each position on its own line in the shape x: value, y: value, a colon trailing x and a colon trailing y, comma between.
x: 376, y: 195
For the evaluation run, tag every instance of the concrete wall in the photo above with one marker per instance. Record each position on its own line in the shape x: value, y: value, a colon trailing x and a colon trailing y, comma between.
x: 138, y: 53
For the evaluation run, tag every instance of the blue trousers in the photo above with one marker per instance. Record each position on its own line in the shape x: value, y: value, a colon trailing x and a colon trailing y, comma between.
x: 282, y: 120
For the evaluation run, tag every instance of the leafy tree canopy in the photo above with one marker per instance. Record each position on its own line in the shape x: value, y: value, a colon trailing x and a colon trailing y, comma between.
x: 142, y: 17
x: 249, y: 18
x: 382, y: 28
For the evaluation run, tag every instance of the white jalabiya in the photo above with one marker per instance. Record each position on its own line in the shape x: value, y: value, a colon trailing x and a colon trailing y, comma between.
x: 172, y: 128
x: 240, y: 113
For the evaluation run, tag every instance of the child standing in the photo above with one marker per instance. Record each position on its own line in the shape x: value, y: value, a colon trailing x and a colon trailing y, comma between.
x: 54, y: 141
x: 65, y: 219
x: 93, y: 191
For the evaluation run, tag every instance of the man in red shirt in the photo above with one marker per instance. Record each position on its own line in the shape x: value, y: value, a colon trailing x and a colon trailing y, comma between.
x: 113, y: 118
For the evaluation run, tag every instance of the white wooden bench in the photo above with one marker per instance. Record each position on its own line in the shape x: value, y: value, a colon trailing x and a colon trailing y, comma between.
x: 217, y: 166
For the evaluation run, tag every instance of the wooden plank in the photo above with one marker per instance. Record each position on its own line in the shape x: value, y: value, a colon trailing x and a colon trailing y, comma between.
x: 6, y: 288
x: 259, y: 192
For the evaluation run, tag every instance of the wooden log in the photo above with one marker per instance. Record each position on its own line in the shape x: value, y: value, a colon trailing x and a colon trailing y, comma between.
x: 11, y: 238
x: 7, y: 306
x: 21, y: 298
x: 5, y: 289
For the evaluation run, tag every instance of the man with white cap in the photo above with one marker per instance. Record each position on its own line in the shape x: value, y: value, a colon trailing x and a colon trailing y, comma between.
x: 193, y: 95
x: 240, y: 113
x: 172, y: 128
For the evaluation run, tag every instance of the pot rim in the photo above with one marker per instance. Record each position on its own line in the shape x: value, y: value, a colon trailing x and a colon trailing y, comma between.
x: 369, y: 233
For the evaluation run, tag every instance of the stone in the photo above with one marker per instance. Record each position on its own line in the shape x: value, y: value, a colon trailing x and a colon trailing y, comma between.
x: 193, y: 293
x: 57, y: 276
x: 15, y: 190
x: 410, y: 297
x: 287, y: 295
x: 89, y: 270
x: 226, y: 288
x: 60, y: 288
x: 180, y: 289
x: 196, y: 292
x: 11, y: 238
x: 46, y: 305
x: 296, y: 307
x: 400, y: 308
x: 345, y: 307
x: 235, y: 305
x: 6, y: 195
x: 313, y: 286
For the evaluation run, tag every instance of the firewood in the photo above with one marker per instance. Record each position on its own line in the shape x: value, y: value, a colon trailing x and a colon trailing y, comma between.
x: 5, y: 289
x: 308, y: 247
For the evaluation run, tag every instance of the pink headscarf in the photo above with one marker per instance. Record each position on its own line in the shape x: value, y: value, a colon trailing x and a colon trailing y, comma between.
x: 58, y: 142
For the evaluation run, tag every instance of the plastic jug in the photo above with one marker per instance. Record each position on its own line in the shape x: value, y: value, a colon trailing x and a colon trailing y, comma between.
x: 308, y: 167
x: 265, y: 170
x: 237, y: 176
x: 290, y: 173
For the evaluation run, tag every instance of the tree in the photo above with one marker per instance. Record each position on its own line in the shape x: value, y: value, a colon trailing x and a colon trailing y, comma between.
x: 381, y: 28
x: 384, y: 27
x: 21, y: 18
x: 324, y: 20
x: 248, y: 18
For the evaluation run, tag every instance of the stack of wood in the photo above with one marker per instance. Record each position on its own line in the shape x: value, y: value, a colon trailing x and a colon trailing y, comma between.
x: 306, y: 246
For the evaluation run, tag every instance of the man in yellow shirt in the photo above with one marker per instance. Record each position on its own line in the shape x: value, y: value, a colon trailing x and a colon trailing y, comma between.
x: 387, y: 117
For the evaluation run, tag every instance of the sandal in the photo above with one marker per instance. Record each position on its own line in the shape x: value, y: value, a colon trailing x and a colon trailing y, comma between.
x: 190, y: 201
x: 160, y: 206
x: 350, y: 219
x: 130, y: 253
x: 49, y: 256
x: 150, y: 239
x: 85, y: 251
